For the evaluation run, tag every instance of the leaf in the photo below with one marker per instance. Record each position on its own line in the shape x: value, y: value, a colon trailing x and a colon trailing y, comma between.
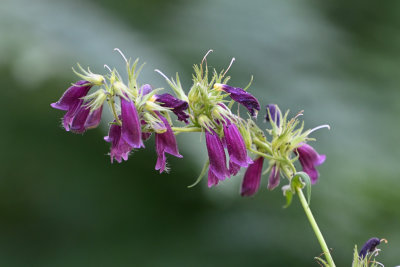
x: 299, y: 180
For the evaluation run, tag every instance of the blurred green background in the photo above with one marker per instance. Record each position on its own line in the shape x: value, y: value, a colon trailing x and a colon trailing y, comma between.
x: 63, y: 204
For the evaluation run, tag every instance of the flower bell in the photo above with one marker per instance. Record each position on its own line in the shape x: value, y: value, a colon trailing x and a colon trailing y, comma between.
x: 252, y: 178
x: 309, y: 159
x: 216, y: 154
x: 241, y: 96
x: 178, y: 106
x: 120, y: 148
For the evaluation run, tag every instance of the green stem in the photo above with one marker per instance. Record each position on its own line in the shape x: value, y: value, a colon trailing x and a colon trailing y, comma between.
x: 112, y: 104
x: 315, y: 227
x: 188, y: 129
x: 261, y: 154
x: 259, y: 143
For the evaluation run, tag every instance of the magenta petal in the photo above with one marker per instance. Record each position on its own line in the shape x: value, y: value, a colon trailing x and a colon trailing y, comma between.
x: 274, y: 178
x: 165, y: 143
x: 72, y: 95
x: 120, y: 149
x: 212, y: 179
x: 216, y: 155
x: 131, y: 128
x: 241, y: 96
x: 78, y: 123
x: 233, y: 168
x: 236, y: 147
x: 178, y: 106
x: 145, y: 89
x: 309, y: 159
x: 94, y: 118
x: 252, y: 178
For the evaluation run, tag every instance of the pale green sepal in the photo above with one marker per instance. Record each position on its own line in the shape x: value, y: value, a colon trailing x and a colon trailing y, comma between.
x: 287, y: 192
x: 95, y: 79
x: 175, y: 85
x: 203, y: 172
x: 95, y: 100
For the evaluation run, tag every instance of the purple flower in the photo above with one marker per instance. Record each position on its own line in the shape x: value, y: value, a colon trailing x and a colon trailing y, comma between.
x: 233, y: 168
x: 178, y: 106
x: 236, y: 148
x: 165, y: 143
x: 275, y: 114
x: 131, y: 129
x: 369, y: 246
x: 119, y: 147
x: 84, y: 119
x: 216, y: 155
x: 72, y: 101
x: 252, y: 177
x: 212, y: 179
x: 309, y: 159
x: 274, y: 176
x: 242, y: 97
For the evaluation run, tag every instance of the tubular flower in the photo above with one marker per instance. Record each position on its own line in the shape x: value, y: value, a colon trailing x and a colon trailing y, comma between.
x: 119, y: 147
x: 369, y: 246
x: 242, y: 97
x: 236, y: 147
x: 178, y: 106
x: 252, y: 177
x: 274, y: 176
x: 71, y: 101
x: 309, y: 159
x: 216, y: 156
x: 275, y: 114
x: 131, y: 127
x: 145, y: 89
x: 86, y: 119
x: 165, y: 143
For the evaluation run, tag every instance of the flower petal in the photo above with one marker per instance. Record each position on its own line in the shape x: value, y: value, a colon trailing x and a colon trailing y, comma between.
x: 236, y: 147
x: 178, y: 106
x: 309, y: 159
x: 274, y: 178
x: 72, y: 95
x: 131, y: 128
x: 242, y: 97
x: 252, y: 178
x: 216, y: 155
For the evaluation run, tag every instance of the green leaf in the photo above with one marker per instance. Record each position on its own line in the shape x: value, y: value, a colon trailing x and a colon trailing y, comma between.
x: 289, y: 197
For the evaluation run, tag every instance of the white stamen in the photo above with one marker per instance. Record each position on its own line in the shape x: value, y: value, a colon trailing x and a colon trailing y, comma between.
x: 205, y: 57
x: 162, y: 74
x: 230, y: 65
x: 108, y: 68
x: 320, y: 127
x: 122, y: 54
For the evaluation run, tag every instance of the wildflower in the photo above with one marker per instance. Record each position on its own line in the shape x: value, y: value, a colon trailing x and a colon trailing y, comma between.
x: 369, y: 246
x: 252, y: 177
x: 178, y: 106
x: 242, y: 97
x: 273, y: 111
x: 309, y: 159
x: 145, y: 89
x: 120, y: 148
x: 236, y: 147
x: 216, y: 156
x: 131, y: 127
x: 274, y: 177
x: 165, y: 143
x: 72, y: 101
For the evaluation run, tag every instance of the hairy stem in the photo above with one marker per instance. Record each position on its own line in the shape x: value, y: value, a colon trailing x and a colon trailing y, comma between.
x: 315, y: 227
x: 188, y: 129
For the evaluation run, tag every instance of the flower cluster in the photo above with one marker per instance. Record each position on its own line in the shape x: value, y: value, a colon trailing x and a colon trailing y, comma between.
x: 232, y: 141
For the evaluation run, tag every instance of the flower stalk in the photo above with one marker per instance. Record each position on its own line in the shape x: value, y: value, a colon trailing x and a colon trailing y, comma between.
x: 315, y: 227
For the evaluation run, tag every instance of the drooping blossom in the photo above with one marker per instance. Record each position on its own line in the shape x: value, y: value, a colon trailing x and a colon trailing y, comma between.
x: 241, y: 96
x: 120, y: 148
x: 131, y: 126
x: 145, y: 89
x: 274, y: 177
x: 309, y: 159
x: 178, y: 106
x: 236, y: 149
x: 275, y: 114
x: 165, y: 143
x: 252, y: 178
x: 216, y: 155
x: 85, y: 119
x: 369, y: 246
x: 72, y: 101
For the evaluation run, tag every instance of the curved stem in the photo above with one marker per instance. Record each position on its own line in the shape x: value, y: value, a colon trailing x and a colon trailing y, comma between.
x: 114, y: 111
x: 315, y: 227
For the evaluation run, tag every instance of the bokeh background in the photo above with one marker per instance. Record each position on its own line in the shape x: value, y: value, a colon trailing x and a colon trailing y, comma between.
x: 63, y: 204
